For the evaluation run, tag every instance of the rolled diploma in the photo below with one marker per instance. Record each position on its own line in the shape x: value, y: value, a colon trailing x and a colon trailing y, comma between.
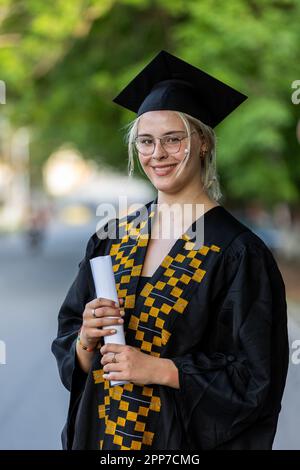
x: 105, y: 287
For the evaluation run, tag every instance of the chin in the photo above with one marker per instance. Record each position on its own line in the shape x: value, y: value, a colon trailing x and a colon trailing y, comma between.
x: 168, y: 184
x: 167, y: 187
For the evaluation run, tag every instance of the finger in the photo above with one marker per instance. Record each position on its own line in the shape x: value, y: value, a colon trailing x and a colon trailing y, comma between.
x: 101, y: 302
x: 111, y: 347
x: 119, y: 376
x: 106, y: 312
x: 113, y: 367
x: 94, y: 333
x: 107, y: 358
x: 105, y: 321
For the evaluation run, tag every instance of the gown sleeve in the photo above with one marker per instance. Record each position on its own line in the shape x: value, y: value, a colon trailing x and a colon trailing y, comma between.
x: 69, y: 323
x: 237, y: 373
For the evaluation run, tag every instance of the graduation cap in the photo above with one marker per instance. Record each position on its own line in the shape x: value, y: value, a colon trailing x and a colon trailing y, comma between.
x: 169, y: 83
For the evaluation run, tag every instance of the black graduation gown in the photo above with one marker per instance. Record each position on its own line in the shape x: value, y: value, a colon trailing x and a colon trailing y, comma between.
x: 230, y: 344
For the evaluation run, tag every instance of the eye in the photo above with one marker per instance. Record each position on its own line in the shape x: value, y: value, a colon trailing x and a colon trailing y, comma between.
x: 146, y: 141
x: 172, y: 139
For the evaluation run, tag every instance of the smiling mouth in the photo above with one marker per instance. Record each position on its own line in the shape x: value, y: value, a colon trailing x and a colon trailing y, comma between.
x: 164, y: 170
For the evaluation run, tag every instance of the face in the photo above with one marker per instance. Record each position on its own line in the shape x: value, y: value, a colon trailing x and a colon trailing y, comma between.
x: 161, y: 166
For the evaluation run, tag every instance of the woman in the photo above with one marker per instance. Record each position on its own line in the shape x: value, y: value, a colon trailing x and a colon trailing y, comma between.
x: 205, y: 323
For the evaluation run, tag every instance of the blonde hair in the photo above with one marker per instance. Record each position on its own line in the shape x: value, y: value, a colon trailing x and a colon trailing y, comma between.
x: 209, y: 176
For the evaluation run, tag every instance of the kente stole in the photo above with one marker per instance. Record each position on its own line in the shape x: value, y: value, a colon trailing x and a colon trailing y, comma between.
x: 128, y: 413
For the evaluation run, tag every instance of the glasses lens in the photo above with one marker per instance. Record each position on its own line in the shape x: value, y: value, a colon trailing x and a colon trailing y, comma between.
x: 144, y: 145
x: 171, y: 143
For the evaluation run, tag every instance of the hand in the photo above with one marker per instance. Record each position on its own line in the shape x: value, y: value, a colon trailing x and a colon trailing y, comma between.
x: 92, y: 328
x: 132, y: 364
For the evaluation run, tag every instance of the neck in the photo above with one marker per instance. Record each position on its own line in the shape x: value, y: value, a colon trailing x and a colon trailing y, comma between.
x: 186, y: 196
x: 182, y: 218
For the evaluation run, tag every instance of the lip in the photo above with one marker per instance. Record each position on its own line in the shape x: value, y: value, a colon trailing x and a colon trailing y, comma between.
x: 162, y: 170
x: 164, y: 166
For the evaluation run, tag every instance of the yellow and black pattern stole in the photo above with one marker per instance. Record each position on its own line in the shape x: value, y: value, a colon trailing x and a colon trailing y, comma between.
x: 128, y: 413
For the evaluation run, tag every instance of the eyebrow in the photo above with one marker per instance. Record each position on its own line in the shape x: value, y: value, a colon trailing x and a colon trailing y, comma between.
x: 166, y: 133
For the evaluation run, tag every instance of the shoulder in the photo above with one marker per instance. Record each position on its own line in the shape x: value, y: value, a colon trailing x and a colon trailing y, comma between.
x: 241, y: 246
x: 248, y: 257
x: 238, y: 237
x: 245, y: 243
x: 246, y: 264
x: 97, y: 239
x: 113, y: 229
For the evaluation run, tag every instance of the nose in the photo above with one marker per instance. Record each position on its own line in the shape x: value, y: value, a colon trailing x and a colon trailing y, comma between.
x: 159, y: 151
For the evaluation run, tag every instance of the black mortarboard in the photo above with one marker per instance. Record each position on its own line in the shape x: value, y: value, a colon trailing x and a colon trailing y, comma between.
x: 168, y: 82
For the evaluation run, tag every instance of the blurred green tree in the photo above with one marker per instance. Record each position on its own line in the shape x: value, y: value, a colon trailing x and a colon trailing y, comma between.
x: 64, y: 61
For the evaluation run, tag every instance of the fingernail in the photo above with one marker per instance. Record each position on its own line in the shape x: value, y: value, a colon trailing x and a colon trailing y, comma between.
x: 122, y: 312
x: 113, y: 331
x: 121, y: 320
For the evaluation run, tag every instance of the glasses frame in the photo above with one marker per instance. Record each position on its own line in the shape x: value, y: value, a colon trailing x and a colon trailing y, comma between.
x: 161, y: 143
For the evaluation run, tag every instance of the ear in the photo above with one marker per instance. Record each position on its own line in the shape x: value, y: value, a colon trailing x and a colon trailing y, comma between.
x: 204, y: 148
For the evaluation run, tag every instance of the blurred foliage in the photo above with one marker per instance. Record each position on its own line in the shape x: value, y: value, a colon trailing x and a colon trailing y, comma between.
x: 64, y: 61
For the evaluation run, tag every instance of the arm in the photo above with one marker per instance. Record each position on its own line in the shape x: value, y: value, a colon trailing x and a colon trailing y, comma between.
x: 166, y: 373
x: 64, y: 347
x: 239, y: 376
x: 84, y: 358
x: 137, y: 367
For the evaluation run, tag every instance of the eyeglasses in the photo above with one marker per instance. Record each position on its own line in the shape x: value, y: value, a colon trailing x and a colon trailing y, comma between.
x: 171, y: 143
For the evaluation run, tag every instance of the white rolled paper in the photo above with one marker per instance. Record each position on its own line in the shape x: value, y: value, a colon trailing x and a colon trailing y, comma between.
x: 105, y: 287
